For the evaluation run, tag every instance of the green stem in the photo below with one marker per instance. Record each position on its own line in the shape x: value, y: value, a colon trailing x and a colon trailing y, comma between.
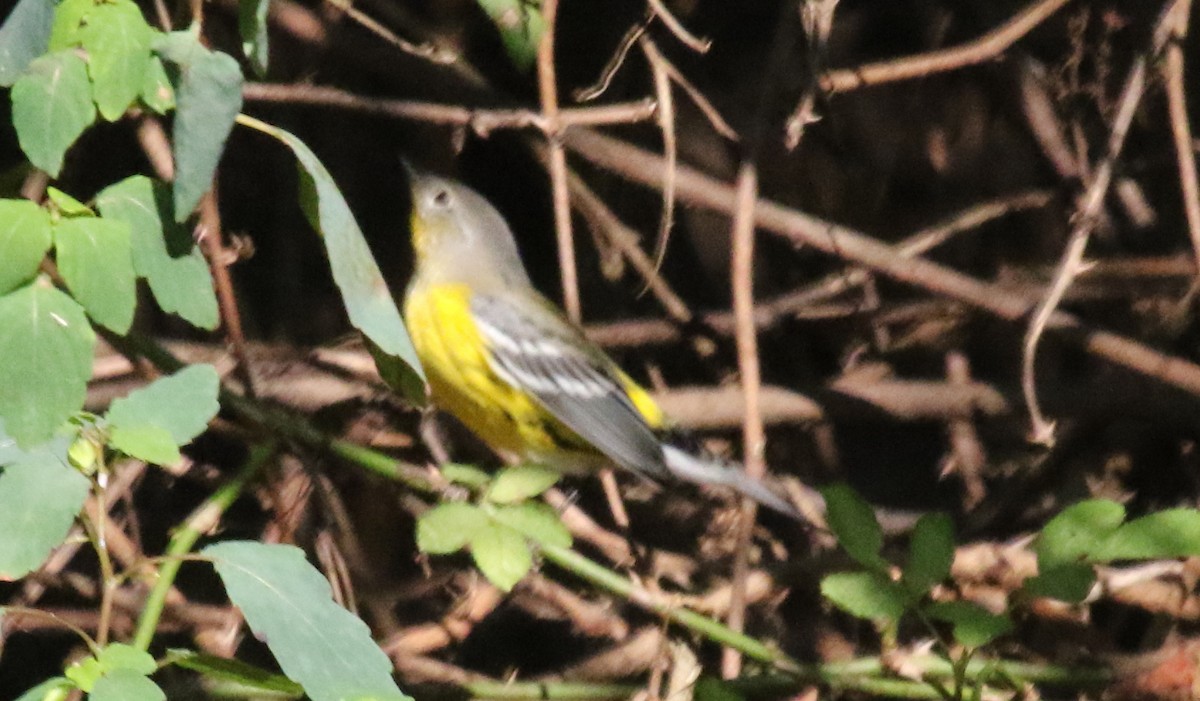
x: 184, y: 539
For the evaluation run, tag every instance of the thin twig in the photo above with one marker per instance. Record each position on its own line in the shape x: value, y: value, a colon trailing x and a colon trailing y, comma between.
x: 1181, y: 128
x: 848, y: 244
x: 482, y: 120
x: 985, y: 48
x: 753, y: 435
x: 676, y: 28
x: 596, y: 89
x: 431, y: 52
x: 548, y: 94
x: 1090, y: 208
x: 666, y: 124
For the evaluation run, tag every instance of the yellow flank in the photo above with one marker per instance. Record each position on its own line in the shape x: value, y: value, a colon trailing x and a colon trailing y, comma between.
x: 454, y: 356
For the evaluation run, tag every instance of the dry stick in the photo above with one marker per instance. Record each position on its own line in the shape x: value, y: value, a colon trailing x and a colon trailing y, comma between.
x: 431, y: 52
x: 681, y: 33
x: 1089, y: 212
x: 753, y: 434
x: 848, y: 244
x: 985, y: 48
x: 548, y: 94
x: 482, y: 121
x: 1181, y: 128
x: 666, y: 124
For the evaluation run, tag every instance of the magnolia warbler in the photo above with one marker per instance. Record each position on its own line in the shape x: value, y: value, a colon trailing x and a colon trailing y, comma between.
x: 503, y: 360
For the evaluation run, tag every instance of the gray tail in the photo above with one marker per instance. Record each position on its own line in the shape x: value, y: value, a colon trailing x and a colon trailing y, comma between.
x: 700, y: 471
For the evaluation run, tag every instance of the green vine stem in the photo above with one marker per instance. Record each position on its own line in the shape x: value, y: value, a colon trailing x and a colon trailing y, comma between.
x: 868, y: 675
x: 201, y: 521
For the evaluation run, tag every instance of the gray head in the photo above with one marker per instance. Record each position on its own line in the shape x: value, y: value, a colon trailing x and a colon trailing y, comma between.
x: 458, y: 235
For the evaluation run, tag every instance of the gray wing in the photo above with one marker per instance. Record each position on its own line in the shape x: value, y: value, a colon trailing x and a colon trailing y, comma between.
x: 537, y: 351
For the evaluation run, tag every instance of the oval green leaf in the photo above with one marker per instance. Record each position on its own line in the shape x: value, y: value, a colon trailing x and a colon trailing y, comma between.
x: 94, y: 259
x: 24, y: 240
x: 51, y: 106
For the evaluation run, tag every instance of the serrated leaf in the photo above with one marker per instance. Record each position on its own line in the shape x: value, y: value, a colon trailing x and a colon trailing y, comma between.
x: 368, y: 299
x: 163, y: 251
x: 181, y: 404
x: 867, y: 595
x: 53, y: 689
x: 852, y: 521
x: 24, y: 36
x: 448, y: 527
x: 535, y: 520
x: 1170, y: 533
x: 465, y: 474
x: 149, y: 443
x: 521, y: 482
x: 521, y: 26
x: 156, y: 92
x: 973, y: 626
x: 1078, y: 532
x: 24, y: 240
x: 121, y: 656
x: 117, y: 40
x: 501, y: 555
x: 126, y: 685
x: 236, y: 671
x: 94, y: 259
x: 252, y: 24
x: 208, y: 96
x: 39, y: 499
x: 930, y: 552
x: 289, y: 606
x: 51, y: 106
x: 45, y: 361
x: 1070, y: 582
x: 67, y: 205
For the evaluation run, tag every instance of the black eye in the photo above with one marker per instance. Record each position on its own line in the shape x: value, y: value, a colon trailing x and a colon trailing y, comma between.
x: 442, y: 198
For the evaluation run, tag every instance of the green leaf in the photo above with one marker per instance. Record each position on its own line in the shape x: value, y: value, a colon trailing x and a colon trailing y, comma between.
x: 252, y: 24
x: 85, y: 673
x: 126, y: 685
x: 973, y: 625
x: 149, y: 443
x: 448, y: 527
x: 1078, y: 532
x: 208, y: 96
x: 868, y: 595
x: 397, y: 374
x: 45, y: 361
x: 94, y: 259
x: 24, y: 240
x: 67, y: 205
x: 236, y: 671
x: 465, y: 474
x: 181, y: 404
x: 521, y: 26
x: 501, y: 554
x: 714, y: 689
x: 535, y: 520
x: 368, y: 299
x: 68, y: 19
x: 24, y: 36
x: 521, y: 482
x: 852, y: 521
x: 53, y: 689
x: 1170, y: 533
x: 163, y: 251
x: 121, y: 656
x: 1070, y: 582
x: 51, y: 106
x: 117, y: 40
x: 289, y: 606
x: 39, y: 498
x: 930, y: 553
x: 156, y: 92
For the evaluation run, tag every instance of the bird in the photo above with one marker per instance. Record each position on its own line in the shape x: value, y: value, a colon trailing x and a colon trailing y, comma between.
x: 507, y: 363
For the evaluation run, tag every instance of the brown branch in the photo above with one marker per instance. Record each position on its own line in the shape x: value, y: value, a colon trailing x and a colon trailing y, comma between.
x: 985, y: 48
x: 681, y: 33
x: 548, y: 94
x: 846, y: 243
x: 480, y: 120
x: 1181, y: 128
